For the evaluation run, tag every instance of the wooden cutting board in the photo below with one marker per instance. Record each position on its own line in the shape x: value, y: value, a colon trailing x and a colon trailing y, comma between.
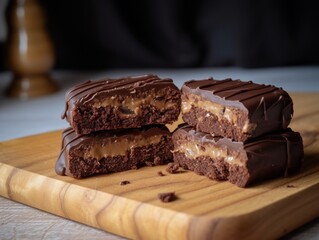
x: 205, y: 209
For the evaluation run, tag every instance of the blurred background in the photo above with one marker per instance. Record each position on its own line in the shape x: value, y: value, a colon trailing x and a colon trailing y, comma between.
x: 101, y: 34
x: 47, y: 46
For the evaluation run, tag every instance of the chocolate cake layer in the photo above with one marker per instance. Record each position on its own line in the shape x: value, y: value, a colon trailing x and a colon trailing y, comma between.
x: 129, y: 102
x: 235, y: 109
x: 242, y: 163
x: 113, y: 151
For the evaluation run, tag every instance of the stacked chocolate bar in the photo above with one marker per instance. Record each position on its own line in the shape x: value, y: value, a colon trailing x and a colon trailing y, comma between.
x: 237, y: 131
x: 117, y: 125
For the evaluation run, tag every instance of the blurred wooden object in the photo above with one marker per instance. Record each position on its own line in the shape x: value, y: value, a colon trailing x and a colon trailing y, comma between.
x: 30, y: 52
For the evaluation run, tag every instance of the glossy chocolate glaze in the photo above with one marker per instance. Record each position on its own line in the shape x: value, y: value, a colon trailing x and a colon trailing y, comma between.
x: 269, y: 107
x: 86, y: 92
x: 132, y: 137
x: 272, y: 155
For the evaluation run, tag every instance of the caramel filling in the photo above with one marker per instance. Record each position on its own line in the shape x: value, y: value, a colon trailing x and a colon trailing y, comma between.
x: 194, y: 150
x: 119, y: 147
x: 220, y: 111
x: 131, y: 105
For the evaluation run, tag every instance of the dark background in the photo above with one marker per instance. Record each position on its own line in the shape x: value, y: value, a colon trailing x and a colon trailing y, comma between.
x: 95, y: 34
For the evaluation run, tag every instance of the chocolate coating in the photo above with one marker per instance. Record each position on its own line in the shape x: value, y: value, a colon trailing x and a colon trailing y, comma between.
x: 129, y: 102
x: 264, y: 108
x: 113, y: 151
x: 242, y: 163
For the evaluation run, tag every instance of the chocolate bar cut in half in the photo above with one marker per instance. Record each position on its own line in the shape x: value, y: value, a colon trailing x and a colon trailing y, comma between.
x: 235, y: 109
x: 129, y: 102
x: 113, y: 151
x: 242, y: 163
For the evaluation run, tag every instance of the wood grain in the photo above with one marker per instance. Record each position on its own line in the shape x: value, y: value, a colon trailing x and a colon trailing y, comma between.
x: 19, y: 221
x: 205, y: 209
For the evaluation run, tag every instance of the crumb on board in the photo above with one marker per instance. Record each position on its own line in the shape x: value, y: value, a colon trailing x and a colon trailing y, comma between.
x: 125, y: 182
x: 160, y: 173
x: 172, y: 168
x: 167, y: 197
x: 157, y: 160
x: 150, y: 164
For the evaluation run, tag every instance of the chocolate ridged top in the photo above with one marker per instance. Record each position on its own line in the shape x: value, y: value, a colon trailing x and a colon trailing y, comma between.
x: 70, y: 139
x: 262, y: 101
x: 85, y: 92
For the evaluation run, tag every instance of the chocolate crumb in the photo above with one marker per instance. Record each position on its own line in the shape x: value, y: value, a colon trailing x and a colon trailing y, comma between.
x: 157, y: 160
x: 150, y: 164
x: 167, y: 197
x: 159, y: 173
x: 290, y: 186
x: 125, y: 182
x: 172, y: 168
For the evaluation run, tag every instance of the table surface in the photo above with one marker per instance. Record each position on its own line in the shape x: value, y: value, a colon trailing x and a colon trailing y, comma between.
x: 21, y: 118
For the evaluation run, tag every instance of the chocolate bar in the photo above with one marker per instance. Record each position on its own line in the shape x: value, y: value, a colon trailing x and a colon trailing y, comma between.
x: 242, y: 163
x: 235, y: 109
x: 113, y: 151
x: 129, y: 102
